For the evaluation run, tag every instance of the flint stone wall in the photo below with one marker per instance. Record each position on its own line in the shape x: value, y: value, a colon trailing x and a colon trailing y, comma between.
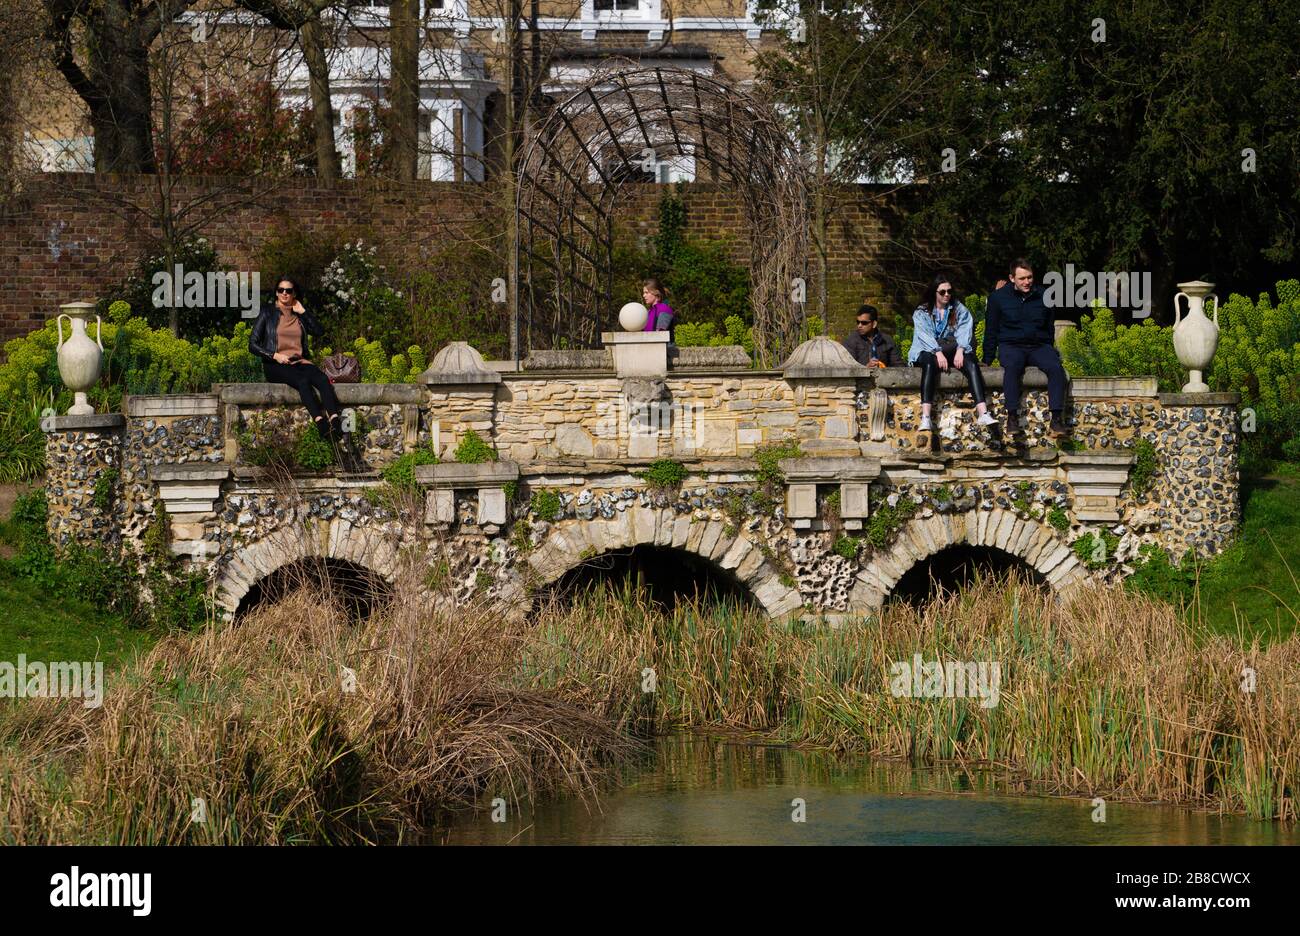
x: 575, y: 437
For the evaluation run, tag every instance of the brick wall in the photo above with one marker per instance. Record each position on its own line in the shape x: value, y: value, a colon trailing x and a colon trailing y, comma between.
x: 75, y: 236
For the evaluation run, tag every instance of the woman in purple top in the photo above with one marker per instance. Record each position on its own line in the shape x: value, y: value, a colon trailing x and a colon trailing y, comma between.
x: 661, y: 313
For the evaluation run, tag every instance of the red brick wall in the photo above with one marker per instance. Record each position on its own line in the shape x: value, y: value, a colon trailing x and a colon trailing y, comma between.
x: 75, y: 236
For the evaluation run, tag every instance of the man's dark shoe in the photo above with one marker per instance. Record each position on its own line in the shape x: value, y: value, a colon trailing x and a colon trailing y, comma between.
x: 1057, y: 427
x: 1013, y: 424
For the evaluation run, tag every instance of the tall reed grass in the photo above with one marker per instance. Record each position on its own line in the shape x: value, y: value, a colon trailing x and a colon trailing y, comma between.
x: 297, y: 724
x: 1113, y: 695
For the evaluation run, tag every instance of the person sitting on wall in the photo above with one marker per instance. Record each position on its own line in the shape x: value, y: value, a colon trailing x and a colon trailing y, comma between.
x: 1019, y: 329
x: 660, y: 317
x: 280, y: 338
x: 870, y: 346
x: 944, y: 336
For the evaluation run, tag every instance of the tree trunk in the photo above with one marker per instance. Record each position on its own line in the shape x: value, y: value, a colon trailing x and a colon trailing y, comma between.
x: 404, y: 86
x: 120, y: 115
x: 322, y: 109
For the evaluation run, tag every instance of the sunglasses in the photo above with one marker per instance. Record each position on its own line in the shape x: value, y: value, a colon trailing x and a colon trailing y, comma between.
x: 944, y: 292
x: 281, y: 289
x: 864, y: 321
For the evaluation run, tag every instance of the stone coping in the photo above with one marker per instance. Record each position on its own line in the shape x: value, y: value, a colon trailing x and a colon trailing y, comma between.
x: 909, y: 378
x: 456, y: 475
x: 585, y: 360
x: 189, y: 471
x: 585, y: 467
x: 830, y: 468
x: 271, y: 394
x: 1200, y: 399
x: 1094, y: 388
x: 90, y: 422
x: 634, y: 337
x: 172, y: 404
x: 1085, y: 459
x: 303, y: 480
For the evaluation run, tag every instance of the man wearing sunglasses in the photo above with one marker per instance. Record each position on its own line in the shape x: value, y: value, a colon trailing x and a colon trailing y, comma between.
x: 870, y: 346
x: 1019, y: 329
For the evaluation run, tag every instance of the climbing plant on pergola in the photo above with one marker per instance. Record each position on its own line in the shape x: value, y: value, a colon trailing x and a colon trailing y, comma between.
x: 599, y: 140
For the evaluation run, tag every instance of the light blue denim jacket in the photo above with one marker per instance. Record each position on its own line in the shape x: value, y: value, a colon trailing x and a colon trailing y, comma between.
x: 923, y: 338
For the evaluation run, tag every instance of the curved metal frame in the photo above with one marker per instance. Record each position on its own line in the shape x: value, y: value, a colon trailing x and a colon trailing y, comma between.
x: 569, y: 188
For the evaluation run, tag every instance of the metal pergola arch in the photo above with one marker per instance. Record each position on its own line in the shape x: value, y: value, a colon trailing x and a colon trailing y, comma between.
x: 569, y: 188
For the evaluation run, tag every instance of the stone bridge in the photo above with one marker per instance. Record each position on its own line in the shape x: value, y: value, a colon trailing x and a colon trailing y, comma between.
x: 809, y: 486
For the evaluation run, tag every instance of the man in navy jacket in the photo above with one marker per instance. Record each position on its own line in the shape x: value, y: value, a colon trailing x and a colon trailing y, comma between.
x: 1018, y: 328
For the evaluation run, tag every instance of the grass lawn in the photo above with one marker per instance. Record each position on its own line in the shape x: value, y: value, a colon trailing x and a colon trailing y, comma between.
x: 49, y: 627
x: 1254, y: 586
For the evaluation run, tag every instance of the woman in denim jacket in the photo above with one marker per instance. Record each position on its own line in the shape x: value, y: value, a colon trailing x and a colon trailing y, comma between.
x: 944, y: 336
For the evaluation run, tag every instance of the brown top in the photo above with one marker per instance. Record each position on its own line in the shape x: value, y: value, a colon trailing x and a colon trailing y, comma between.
x: 288, y: 335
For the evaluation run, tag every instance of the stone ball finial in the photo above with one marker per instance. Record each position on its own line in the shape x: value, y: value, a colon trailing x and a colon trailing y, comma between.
x: 821, y: 357
x: 633, y: 317
x: 458, y: 363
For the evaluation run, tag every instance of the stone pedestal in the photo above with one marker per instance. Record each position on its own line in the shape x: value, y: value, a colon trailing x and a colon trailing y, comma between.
x: 638, y: 354
x: 81, y: 454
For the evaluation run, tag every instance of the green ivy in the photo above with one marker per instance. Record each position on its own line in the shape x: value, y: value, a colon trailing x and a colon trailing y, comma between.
x: 1059, y: 519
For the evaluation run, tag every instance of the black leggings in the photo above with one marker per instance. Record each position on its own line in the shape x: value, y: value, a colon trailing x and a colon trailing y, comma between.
x: 303, y: 378
x: 930, y: 375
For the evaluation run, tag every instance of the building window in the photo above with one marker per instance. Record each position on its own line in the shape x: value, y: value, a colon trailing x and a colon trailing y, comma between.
x: 605, y: 5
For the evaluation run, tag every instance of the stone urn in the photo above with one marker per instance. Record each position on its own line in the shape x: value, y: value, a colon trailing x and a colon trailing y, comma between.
x: 1195, y: 337
x: 80, y: 359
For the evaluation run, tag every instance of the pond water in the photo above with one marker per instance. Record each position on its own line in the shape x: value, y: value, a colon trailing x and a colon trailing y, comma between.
x: 701, y: 792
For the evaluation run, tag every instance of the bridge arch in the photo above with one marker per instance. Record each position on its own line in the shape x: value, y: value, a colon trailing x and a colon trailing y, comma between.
x: 366, y: 548
x: 1039, y: 546
x: 573, y: 543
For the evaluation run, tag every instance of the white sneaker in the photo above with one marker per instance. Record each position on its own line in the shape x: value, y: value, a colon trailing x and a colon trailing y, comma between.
x: 986, y: 420
x: 925, y: 424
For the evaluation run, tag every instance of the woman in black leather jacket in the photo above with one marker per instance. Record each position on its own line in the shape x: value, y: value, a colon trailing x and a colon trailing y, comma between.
x: 280, y: 338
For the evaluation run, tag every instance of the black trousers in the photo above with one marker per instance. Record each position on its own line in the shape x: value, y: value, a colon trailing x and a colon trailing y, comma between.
x: 309, y: 380
x: 1015, y: 358
x: 930, y: 375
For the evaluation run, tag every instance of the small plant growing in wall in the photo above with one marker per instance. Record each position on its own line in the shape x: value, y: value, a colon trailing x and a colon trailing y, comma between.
x: 1096, y: 550
x: 1059, y: 519
x: 472, y: 450
x: 885, y: 522
x: 545, y: 505
x: 313, y: 451
x: 103, y: 499
x: 1146, y: 465
x: 401, y: 473
x: 768, y: 457
x: 846, y: 547
x: 664, y: 474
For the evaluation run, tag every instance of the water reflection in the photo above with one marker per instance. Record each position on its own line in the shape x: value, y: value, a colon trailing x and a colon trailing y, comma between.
x: 699, y: 792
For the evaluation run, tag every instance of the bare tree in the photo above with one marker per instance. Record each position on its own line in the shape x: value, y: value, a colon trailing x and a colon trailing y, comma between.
x: 306, y: 19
